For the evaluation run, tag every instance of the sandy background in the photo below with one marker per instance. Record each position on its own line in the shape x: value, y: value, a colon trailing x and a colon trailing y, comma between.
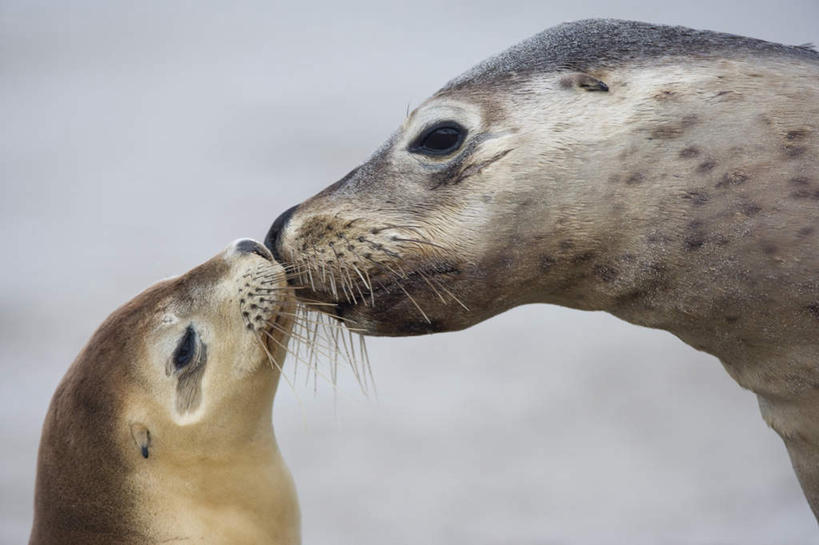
x: 138, y: 138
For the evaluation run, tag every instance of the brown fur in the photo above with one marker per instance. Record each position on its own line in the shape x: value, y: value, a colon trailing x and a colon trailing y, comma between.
x: 95, y: 484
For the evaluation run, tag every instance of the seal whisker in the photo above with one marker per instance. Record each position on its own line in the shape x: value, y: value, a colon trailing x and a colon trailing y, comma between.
x: 441, y: 297
x: 281, y: 372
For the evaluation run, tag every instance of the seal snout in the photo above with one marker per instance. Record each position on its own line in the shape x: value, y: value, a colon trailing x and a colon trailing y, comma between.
x: 273, y: 238
x: 250, y: 246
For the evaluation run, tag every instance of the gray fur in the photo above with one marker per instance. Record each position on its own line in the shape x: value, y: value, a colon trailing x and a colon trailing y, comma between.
x: 684, y: 199
x: 599, y: 43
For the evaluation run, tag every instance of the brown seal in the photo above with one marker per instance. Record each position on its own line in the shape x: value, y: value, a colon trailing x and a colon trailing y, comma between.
x: 666, y: 175
x: 161, y: 430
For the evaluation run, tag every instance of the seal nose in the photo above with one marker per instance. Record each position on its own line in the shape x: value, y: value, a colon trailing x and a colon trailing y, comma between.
x: 250, y: 246
x: 273, y: 238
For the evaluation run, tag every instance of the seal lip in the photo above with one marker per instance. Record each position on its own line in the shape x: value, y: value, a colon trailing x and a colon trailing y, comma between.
x: 369, y: 298
x: 417, y: 145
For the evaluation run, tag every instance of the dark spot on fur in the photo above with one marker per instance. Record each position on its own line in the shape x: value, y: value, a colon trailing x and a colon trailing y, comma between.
x: 814, y: 310
x: 546, y: 263
x: 730, y: 179
x: 805, y: 231
x: 667, y: 132
x: 635, y: 179
x: 583, y: 258
x: 750, y: 209
x: 706, y: 166
x: 799, y: 180
x: 794, y: 151
x: 768, y: 248
x: 631, y: 296
x: 688, y: 153
x: 696, y: 238
x: 614, y: 179
x: 697, y: 198
x: 566, y: 244
x: 806, y: 194
x: 665, y: 94
x: 694, y: 242
x: 796, y: 134
x: 731, y: 319
x: 605, y: 273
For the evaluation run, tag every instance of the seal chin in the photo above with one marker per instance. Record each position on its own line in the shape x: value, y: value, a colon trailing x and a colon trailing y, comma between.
x: 389, y: 322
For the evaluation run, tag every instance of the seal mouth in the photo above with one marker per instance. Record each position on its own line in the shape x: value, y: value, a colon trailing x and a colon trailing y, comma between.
x: 339, y: 297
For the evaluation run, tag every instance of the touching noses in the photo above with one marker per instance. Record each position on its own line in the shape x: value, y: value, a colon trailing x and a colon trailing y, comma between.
x: 273, y: 238
x: 250, y: 246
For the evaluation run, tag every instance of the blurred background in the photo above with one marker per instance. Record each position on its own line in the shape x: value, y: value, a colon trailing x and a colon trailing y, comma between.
x: 139, y: 138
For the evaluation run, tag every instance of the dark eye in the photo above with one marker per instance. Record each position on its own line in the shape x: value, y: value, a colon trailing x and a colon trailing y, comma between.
x: 441, y: 139
x: 186, y: 349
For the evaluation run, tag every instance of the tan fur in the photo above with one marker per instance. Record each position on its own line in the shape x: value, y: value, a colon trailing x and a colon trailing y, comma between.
x: 214, y: 473
x: 686, y: 198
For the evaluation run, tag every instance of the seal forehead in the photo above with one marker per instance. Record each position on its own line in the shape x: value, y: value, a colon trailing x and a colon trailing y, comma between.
x: 593, y: 43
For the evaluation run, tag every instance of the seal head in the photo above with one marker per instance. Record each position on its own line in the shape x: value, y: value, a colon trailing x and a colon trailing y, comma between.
x: 666, y: 175
x: 587, y: 166
x: 161, y: 430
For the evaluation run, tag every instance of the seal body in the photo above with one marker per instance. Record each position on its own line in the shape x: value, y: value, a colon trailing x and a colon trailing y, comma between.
x: 161, y: 430
x: 666, y: 175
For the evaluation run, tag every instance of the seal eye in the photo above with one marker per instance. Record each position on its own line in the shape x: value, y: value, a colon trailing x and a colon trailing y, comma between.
x: 186, y: 349
x: 440, y: 139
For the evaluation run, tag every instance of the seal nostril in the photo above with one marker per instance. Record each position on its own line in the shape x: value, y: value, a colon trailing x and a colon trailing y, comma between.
x: 272, y: 240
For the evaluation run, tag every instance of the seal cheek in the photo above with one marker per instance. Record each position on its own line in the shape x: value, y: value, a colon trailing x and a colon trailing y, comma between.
x: 189, y: 387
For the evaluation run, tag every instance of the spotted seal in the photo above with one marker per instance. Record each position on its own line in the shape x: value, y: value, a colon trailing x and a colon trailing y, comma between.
x: 666, y: 175
x: 161, y: 430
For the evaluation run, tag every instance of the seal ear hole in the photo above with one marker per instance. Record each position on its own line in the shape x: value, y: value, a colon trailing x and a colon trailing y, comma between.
x: 583, y: 81
x: 142, y: 438
x: 440, y: 139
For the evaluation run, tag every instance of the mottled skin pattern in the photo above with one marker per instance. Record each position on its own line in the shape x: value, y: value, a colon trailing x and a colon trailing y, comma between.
x: 135, y: 451
x: 685, y: 197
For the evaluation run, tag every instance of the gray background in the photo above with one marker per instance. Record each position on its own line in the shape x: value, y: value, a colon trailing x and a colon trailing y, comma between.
x: 138, y: 138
